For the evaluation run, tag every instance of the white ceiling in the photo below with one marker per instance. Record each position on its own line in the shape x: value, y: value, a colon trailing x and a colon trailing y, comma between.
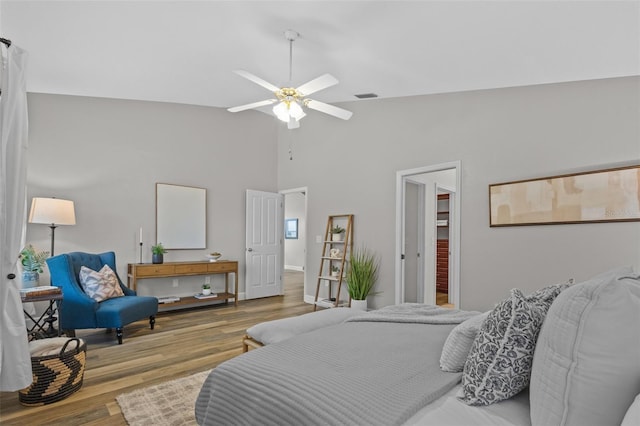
x: 185, y: 51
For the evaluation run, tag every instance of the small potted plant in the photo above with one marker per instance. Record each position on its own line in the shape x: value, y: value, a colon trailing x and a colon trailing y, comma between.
x: 337, y: 233
x: 361, y: 276
x: 33, y: 263
x: 158, y: 252
x: 335, y: 271
x: 206, y: 289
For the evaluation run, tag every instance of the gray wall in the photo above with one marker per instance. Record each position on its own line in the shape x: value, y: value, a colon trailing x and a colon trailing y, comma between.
x: 107, y: 155
x: 499, y: 135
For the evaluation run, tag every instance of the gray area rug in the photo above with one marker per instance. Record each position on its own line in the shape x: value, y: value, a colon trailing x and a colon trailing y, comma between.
x: 169, y: 403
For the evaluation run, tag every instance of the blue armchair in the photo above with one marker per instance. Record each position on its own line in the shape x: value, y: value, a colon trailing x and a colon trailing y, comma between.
x: 78, y: 311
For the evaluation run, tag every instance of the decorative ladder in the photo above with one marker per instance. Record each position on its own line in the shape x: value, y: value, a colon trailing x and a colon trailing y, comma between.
x: 327, y: 261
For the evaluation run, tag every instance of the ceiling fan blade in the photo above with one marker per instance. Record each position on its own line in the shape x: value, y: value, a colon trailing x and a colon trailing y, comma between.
x: 252, y: 105
x: 322, y: 82
x: 329, y: 109
x: 246, y: 74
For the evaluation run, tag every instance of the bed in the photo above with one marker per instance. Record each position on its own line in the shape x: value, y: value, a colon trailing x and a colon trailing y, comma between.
x: 418, y: 365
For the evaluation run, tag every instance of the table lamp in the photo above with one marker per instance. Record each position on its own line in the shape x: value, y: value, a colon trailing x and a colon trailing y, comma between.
x: 52, y: 211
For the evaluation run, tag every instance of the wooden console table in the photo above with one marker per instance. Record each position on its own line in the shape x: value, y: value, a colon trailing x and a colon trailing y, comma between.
x: 138, y: 271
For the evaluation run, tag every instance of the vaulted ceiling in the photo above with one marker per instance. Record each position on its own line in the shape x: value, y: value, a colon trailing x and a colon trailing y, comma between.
x: 186, y: 51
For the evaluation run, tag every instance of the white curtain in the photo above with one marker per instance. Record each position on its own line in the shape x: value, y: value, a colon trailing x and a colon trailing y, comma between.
x: 15, y: 360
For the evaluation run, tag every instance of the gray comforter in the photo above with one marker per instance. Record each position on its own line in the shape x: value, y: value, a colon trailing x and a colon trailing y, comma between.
x: 356, y: 373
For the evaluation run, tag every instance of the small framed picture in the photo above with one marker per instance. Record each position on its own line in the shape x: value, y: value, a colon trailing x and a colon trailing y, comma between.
x: 291, y: 229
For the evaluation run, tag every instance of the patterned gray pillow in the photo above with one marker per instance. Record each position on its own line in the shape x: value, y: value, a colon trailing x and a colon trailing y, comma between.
x: 499, y: 362
x: 546, y: 295
x: 100, y: 285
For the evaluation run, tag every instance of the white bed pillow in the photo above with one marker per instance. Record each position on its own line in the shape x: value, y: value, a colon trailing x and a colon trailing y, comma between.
x: 632, y: 418
x: 586, y: 367
x: 278, y: 330
x: 458, y: 344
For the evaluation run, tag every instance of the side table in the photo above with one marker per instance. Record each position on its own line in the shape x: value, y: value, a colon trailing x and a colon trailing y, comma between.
x: 43, y: 326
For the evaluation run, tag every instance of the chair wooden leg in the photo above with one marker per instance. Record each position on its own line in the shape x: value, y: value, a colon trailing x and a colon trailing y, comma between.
x: 119, y: 335
x: 152, y: 321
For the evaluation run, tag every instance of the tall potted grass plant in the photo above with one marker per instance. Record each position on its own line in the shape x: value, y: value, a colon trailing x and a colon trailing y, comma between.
x: 361, y: 276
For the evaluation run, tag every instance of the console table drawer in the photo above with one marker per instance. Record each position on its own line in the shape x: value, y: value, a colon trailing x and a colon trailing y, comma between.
x: 154, y: 270
x: 191, y: 268
x: 223, y: 267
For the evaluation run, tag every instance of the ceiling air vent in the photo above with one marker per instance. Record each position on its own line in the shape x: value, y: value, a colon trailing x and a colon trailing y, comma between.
x: 366, y: 96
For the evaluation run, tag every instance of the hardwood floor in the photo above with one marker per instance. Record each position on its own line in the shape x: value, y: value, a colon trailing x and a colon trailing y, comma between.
x: 442, y: 299
x: 183, y: 342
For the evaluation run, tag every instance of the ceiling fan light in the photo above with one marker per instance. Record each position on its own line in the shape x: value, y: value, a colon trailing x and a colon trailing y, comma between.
x: 295, y: 111
x: 293, y: 124
x: 282, y: 112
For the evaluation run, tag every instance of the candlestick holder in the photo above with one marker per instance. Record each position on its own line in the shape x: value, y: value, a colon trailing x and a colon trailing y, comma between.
x: 140, y: 252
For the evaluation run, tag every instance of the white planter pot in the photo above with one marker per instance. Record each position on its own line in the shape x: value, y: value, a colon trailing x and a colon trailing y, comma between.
x: 30, y: 279
x: 336, y: 237
x: 206, y: 291
x: 359, y: 305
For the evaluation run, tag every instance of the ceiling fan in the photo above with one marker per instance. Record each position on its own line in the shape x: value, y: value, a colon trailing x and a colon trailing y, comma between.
x: 291, y: 102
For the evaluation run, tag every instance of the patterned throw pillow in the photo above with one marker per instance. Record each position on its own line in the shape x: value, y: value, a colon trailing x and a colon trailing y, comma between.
x: 499, y: 362
x: 546, y: 295
x: 100, y: 285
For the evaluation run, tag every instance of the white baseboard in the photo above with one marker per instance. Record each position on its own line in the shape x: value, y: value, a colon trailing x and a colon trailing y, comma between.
x: 294, y: 268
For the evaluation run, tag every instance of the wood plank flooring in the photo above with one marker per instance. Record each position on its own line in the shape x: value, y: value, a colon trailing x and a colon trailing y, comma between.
x: 183, y: 342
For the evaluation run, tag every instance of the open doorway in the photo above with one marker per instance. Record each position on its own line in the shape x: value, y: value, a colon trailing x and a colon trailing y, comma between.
x: 427, y: 218
x: 295, y: 240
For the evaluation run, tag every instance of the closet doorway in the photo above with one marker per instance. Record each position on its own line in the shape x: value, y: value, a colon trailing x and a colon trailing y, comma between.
x: 427, y: 218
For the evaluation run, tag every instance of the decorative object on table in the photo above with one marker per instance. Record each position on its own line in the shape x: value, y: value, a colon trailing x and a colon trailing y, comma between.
x: 361, y: 276
x: 337, y: 233
x: 32, y: 265
x: 214, y: 256
x: 54, y: 212
x: 335, y: 253
x: 335, y: 271
x: 609, y: 195
x: 58, y: 370
x: 291, y: 229
x: 79, y: 311
x: 206, y: 296
x: 168, y: 299
x: 157, y: 252
x: 206, y: 289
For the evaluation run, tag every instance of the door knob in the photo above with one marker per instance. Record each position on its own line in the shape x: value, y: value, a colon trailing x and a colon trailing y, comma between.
x: 249, y: 249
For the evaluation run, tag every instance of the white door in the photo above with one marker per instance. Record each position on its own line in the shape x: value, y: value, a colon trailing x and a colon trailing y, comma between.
x: 264, y: 222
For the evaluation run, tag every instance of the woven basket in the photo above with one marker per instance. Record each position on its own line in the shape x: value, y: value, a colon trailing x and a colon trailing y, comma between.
x: 57, y: 376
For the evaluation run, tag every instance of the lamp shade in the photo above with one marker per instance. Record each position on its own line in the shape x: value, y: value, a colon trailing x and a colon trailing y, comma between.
x: 52, y: 211
x: 282, y: 111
